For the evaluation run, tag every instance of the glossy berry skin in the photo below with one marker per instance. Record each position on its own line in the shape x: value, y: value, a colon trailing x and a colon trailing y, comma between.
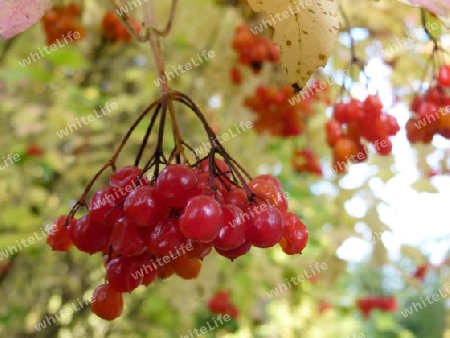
x: 235, y: 253
x: 295, y: 235
x: 142, y: 207
x: 266, y: 226
x: 175, y: 185
x: 90, y: 237
x: 106, y: 302
x: 120, y: 271
x: 104, y: 208
x: 59, y: 237
x: 165, y: 238
x: 271, y: 179
x: 443, y: 76
x: 264, y: 190
x: 127, y: 238
x: 232, y: 233
x: 201, y: 219
x: 237, y: 197
x: 126, y: 177
x: 282, y: 203
x: 149, y: 268
x: 197, y: 250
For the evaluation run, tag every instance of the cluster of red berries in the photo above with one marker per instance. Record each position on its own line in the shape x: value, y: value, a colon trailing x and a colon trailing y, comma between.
x: 62, y: 21
x: 114, y: 31
x: 355, y: 121
x: 220, y: 304
x: 317, y: 91
x: 431, y: 111
x: 304, y: 161
x: 253, y: 50
x: 275, y: 113
x: 368, y: 304
x: 178, y: 217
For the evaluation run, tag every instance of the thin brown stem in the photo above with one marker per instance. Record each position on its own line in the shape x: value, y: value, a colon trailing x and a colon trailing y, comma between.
x: 232, y: 164
x: 153, y: 38
x: 112, y: 161
x: 166, y: 30
x: 126, y: 22
x: 176, y: 131
x: 146, y: 136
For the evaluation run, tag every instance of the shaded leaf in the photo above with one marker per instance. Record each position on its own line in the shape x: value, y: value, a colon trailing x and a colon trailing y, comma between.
x: 305, y: 34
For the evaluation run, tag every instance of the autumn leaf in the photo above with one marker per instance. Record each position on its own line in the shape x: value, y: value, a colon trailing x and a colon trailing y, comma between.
x: 306, y: 32
x: 17, y: 16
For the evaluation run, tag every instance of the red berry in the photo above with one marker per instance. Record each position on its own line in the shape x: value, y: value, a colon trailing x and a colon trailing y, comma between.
x: 236, y: 197
x: 232, y: 233
x: 149, y: 268
x: 373, y: 104
x: 219, y: 302
x: 142, y: 206
x: 443, y: 76
x: 127, y: 238
x: 126, y: 176
x: 90, y: 237
x: 59, y: 237
x: 235, y: 253
x: 334, y: 132
x: 416, y: 103
x: 106, y: 302
x: 385, y: 147
x: 187, y: 268
x: 176, y: 184
x: 266, y: 226
x: 104, y: 206
x: 295, y: 235
x: 165, y: 238
x: 201, y: 219
x: 122, y: 273
x: 197, y: 250
x: 264, y: 190
x: 340, y: 113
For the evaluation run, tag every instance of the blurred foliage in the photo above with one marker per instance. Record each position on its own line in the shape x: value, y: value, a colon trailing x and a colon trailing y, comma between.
x: 40, y: 100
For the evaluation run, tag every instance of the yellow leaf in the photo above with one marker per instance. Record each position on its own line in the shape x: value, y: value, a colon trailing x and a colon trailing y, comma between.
x: 306, y: 32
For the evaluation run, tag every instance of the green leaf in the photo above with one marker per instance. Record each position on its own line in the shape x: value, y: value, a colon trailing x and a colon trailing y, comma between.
x: 434, y: 25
